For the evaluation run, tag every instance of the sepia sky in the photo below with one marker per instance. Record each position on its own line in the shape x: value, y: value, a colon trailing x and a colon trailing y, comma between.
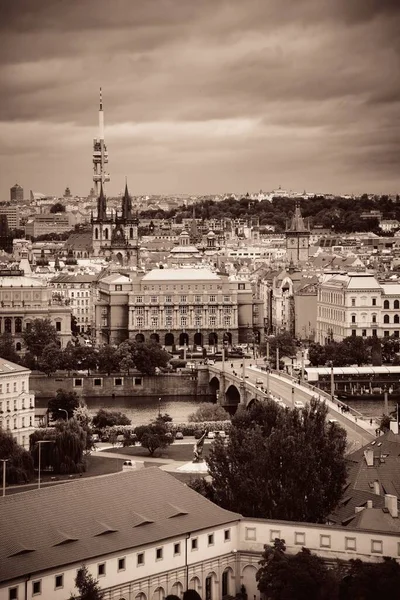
x: 201, y: 96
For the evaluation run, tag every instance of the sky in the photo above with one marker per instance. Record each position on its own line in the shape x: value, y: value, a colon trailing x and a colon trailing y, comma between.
x: 201, y: 96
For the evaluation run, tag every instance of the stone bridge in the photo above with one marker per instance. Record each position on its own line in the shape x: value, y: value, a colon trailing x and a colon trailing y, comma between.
x: 237, y: 385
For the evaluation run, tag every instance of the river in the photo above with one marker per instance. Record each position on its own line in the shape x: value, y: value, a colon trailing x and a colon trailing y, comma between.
x: 142, y: 410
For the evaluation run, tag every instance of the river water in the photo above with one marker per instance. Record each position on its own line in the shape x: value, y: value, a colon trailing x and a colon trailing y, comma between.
x: 142, y: 410
x: 371, y: 408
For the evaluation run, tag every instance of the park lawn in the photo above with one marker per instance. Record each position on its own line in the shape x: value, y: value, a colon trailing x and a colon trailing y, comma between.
x: 178, y: 452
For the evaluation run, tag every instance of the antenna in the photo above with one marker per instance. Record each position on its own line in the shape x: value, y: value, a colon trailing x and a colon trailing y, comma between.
x: 101, y: 100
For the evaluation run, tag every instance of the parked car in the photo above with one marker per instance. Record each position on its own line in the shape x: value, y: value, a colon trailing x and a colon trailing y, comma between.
x: 298, y: 404
x: 333, y: 421
x: 209, y: 361
x: 95, y: 437
x: 211, y: 435
x: 280, y: 402
x: 220, y: 434
x: 179, y: 435
x: 259, y: 381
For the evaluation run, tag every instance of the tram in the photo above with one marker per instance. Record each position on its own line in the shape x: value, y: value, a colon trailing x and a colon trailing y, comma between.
x: 356, y: 382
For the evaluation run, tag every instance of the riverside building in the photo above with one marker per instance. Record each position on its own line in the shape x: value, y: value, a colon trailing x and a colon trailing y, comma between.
x: 17, y: 404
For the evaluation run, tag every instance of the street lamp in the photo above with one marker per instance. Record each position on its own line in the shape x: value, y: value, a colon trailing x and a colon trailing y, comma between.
x: 63, y: 410
x: 292, y: 397
x: 4, y: 460
x: 159, y: 407
x: 39, y: 443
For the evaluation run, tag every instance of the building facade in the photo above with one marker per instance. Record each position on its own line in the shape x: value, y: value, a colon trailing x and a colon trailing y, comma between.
x: 16, y: 193
x: 116, y: 236
x: 77, y: 291
x: 48, y: 223
x: 144, y: 535
x: 23, y: 299
x: 12, y: 214
x: 17, y: 404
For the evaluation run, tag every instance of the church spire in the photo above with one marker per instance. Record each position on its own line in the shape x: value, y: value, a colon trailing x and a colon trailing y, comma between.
x: 126, y: 204
x: 101, y: 205
x: 297, y: 222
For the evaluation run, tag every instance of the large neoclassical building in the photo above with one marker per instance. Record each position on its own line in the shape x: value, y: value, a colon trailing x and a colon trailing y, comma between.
x: 178, y: 306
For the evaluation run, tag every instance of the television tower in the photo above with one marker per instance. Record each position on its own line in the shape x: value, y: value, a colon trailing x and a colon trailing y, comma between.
x: 100, y: 154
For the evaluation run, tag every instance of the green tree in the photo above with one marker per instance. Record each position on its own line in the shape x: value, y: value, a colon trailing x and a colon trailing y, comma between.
x: 65, y: 455
x: 280, y: 464
x: 109, y: 418
x: 74, y: 325
x: 50, y: 359
x: 108, y: 360
x: 68, y: 358
x: 7, y: 348
x: 303, y: 576
x: 87, y: 586
x: 284, y: 341
x: 42, y: 333
x: 84, y: 418
x: 19, y: 465
x: 354, y: 350
x: 126, y: 356
x: 154, y: 436
x: 317, y: 355
x: 84, y: 357
x: 207, y: 411
x: 63, y: 400
x: 57, y: 208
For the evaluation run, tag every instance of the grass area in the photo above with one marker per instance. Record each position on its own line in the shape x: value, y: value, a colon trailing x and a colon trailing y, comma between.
x: 179, y: 452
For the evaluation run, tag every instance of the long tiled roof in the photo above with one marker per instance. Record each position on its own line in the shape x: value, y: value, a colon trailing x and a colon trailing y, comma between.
x: 184, y: 274
x: 73, y: 522
x: 6, y: 366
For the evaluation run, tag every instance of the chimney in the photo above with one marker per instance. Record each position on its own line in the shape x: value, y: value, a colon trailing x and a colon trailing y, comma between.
x: 128, y: 465
x: 358, y: 509
x: 369, y: 504
x: 391, y: 505
x: 369, y: 457
x: 377, y: 488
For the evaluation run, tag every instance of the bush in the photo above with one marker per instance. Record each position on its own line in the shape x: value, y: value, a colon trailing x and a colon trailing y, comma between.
x: 193, y: 428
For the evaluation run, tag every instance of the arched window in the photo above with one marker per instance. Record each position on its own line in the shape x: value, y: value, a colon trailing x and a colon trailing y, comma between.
x: 396, y: 319
x: 18, y: 325
x: 7, y: 325
x: 131, y: 232
x: 18, y: 346
x: 386, y: 318
x: 396, y: 304
x: 96, y: 233
x: 106, y: 234
x: 386, y: 304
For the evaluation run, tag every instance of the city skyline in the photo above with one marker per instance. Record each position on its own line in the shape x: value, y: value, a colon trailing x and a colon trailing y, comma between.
x: 211, y: 97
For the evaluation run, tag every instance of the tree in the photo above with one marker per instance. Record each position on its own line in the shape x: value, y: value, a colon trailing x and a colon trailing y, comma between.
x: 74, y: 325
x: 65, y: 455
x: 7, y: 348
x: 84, y: 418
x: 303, y: 576
x: 149, y: 355
x: 19, y: 465
x: 108, y: 360
x: 366, y: 581
x: 280, y: 464
x: 41, y: 333
x: 209, y: 412
x: 154, y: 436
x: 84, y: 358
x: 109, y: 418
x: 126, y: 356
x: 63, y: 400
x: 50, y: 359
x: 87, y: 586
x: 285, y: 342
x: 57, y: 208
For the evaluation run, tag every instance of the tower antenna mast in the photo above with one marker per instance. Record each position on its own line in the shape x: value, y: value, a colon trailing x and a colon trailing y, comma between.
x: 100, y: 154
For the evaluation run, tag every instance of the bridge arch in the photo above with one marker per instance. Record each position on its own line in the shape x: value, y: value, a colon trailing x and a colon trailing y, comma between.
x: 232, y: 396
x: 214, y: 385
x: 251, y: 402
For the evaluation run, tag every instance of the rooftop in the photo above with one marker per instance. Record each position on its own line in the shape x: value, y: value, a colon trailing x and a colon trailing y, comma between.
x: 6, y: 366
x: 21, y: 281
x: 183, y: 274
x: 99, y: 515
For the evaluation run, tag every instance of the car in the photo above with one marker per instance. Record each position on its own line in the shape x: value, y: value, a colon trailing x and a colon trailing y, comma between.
x: 280, y: 402
x: 179, y: 435
x: 298, y: 404
x: 211, y: 435
x: 88, y: 343
x: 95, y: 437
x: 259, y: 381
x: 210, y: 361
x: 120, y: 438
x: 333, y: 421
x: 199, y: 349
x: 220, y: 434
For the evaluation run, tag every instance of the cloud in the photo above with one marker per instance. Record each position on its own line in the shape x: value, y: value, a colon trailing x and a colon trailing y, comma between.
x: 261, y: 86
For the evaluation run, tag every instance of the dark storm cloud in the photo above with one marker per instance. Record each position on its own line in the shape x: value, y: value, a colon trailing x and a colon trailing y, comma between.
x: 192, y: 80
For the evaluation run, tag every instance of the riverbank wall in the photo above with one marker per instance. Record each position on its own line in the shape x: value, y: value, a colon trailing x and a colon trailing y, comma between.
x: 117, y: 385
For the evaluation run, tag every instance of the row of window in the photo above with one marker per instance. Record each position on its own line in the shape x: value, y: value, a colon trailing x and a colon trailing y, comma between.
x: 121, y: 564
x: 15, y: 389
x: 18, y: 325
x: 98, y: 381
x: 182, y: 299
x: 325, y: 541
x: 183, y: 322
x: 15, y: 423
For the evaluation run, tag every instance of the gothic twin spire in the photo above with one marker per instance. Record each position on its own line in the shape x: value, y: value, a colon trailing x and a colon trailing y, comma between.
x: 126, y: 214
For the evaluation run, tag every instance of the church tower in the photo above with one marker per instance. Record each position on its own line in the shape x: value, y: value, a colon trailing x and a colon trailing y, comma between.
x: 102, y: 225
x: 297, y: 238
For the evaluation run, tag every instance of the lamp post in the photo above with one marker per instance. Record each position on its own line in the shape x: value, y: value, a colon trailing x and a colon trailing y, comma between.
x: 39, y: 443
x: 332, y: 383
x: 65, y: 411
x: 4, y: 461
x: 159, y: 407
x: 302, y: 365
x: 292, y: 397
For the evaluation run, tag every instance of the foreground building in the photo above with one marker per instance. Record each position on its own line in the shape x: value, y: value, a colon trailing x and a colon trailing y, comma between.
x: 17, y: 404
x: 143, y: 534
